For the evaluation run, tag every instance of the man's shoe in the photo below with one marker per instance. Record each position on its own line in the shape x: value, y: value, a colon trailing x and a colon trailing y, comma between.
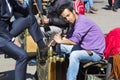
x: 109, y: 7
x: 94, y: 9
x: 90, y: 12
x: 114, y: 9
x: 43, y: 55
x: 3, y: 76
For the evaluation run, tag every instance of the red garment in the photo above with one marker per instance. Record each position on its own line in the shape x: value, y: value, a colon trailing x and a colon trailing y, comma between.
x: 113, y: 1
x: 79, y: 7
x: 112, y: 43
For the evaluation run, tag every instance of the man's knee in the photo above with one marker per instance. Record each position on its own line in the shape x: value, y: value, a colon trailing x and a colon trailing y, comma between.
x: 74, y: 57
x: 23, y: 56
x: 78, y: 55
x: 32, y: 18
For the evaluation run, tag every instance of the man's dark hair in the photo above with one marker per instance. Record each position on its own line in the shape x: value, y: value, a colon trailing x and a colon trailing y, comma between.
x: 67, y: 5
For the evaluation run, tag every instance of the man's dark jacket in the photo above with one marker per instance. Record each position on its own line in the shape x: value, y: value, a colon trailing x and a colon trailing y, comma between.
x: 55, y: 19
x: 6, y: 15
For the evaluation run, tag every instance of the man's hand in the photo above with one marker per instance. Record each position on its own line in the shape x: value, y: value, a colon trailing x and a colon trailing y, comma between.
x: 52, y: 43
x: 46, y: 20
x: 58, y: 38
x: 63, y: 40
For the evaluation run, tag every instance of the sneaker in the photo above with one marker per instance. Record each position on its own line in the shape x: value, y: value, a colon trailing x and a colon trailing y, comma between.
x: 94, y: 9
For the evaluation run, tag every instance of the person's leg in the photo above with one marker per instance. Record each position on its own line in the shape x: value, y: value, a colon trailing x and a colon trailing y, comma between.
x: 110, y: 3
x: 116, y: 5
x: 18, y: 26
x: 34, y: 29
x: 92, y: 5
x: 74, y: 61
x: 87, y: 5
x: 20, y: 56
x: 62, y: 49
x: 67, y: 49
x: 119, y: 3
x: 30, y: 22
x: 30, y: 3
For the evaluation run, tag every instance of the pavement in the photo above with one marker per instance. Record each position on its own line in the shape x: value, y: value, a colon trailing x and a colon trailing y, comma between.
x: 7, y: 65
x: 106, y: 19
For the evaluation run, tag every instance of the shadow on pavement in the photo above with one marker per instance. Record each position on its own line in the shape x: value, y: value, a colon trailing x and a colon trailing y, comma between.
x: 107, y: 7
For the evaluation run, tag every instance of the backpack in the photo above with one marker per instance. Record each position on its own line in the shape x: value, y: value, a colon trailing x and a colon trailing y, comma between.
x: 79, y: 6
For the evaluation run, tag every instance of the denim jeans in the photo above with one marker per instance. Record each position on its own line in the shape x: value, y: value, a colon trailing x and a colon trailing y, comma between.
x: 89, y: 4
x: 77, y: 56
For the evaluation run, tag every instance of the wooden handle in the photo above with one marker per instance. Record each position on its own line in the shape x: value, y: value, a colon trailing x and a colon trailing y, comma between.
x: 40, y: 15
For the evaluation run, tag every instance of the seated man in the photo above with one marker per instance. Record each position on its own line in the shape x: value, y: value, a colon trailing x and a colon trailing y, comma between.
x: 84, y: 42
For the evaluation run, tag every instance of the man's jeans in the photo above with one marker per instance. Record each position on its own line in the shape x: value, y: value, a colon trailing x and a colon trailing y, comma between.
x: 77, y: 56
x: 89, y: 4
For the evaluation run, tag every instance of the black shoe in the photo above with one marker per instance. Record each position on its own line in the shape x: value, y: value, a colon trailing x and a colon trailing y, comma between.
x: 43, y: 55
x: 114, y: 9
x: 109, y: 7
x: 94, y: 9
x: 90, y: 12
x: 3, y: 76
